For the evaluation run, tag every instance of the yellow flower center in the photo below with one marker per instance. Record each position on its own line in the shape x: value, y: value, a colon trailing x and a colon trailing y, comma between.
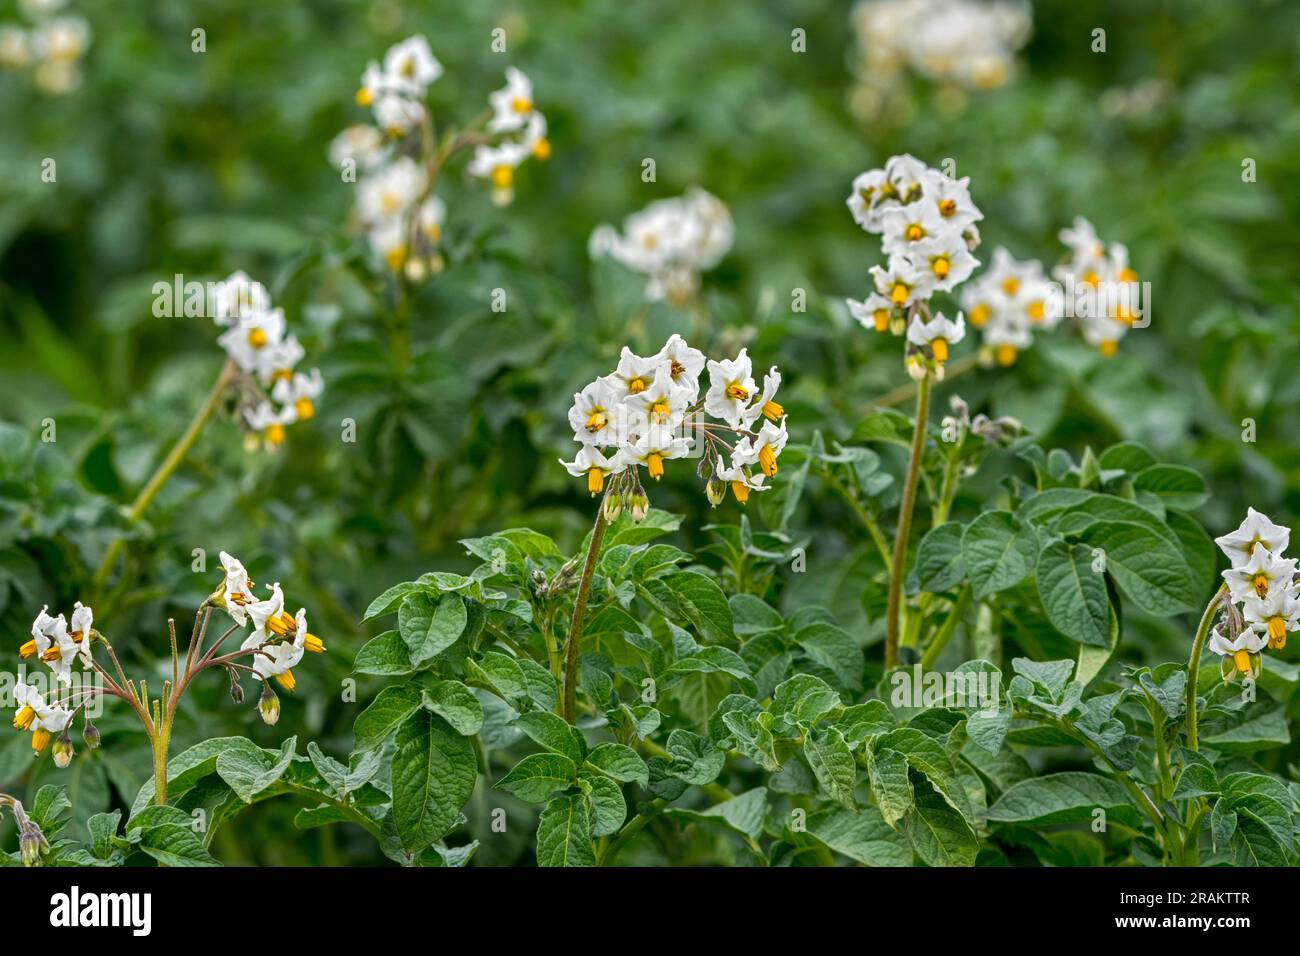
x: 521, y: 105
x: 1127, y: 275
x: 23, y: 719
x: 283, y: 624
x: 596, y: 421
x: 1036, y: 311
x: 636, y: 386
x: 767, y: 460
x: 655, y: 464
x: 257, y: 338
x: 1005, y: 354
x: 947, y: 207
x: 364, y: 97
x: 27, y: 650
x: 433, y: 232
x: 1276, y: 633
x: 979, y: 315
x: 1242, y: 660
x: 396, y: 256
x: 773, y: 411
x: 914, y: 232
x: 51, y: 653
x: 304, y: 408
x: 542, y: 149
x: 503, y: 176
x: 940, y: 349
x: 881, y: 318
x: 313, y: 644
x: 737, y: 392
x: 1108, y: 348
x: 740, y: 490
x: 40, y: 740
x: 595, y: 480
x: 1091, y: 278
x: 287, y: 681
x: 1260, y: 584
x: 1011, y: 285
x: 940, y: 265
x: 898, y: 294
x: 274, y: 434
x: 660, y: 411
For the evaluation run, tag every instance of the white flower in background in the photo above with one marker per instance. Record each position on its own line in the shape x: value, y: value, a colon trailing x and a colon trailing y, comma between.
x: 239, y: 296
x: 945, y: 257
x: 1243, y: 651
x: 300, y: 392
x: 34, y: 714
x: 15, y: 48
x: 876, y: 311
x: 512, y: 106
x: 938, y: 334
x: 361, y: 144
x: 279, y: 639
x: 1099, y: 286
x: 1273, y: 616
x: 397, y: 114
x: 412, y: 62
x: 247, y: 343
x: 649, y: 409
x: 53, y: 44
x: 671, y: 241
x: 964, y: 42
x: 390, y: 190
x: 593, y: 463
x: 1008, y: 302
x: 270, y: 423
x: 902, y: 281
x: 1257, y: 529
x: 236, y: 589
x: 498, y: 164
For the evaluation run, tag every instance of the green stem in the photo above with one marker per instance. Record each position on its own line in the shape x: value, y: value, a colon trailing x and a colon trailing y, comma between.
x: 945, y: 632
x: 574, y: 643
x: 165, y: 470
x: 633, y: 827
x: 1194, y: 662
x: 948, y: 489
x: 905, y: 524
x: 161, y: 741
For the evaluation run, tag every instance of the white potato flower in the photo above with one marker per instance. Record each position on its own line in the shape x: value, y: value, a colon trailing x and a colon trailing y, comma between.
x: 655, y: 445
x: 270, y: 422
x: 593, y: 463
x: 1256, y: 529
x: 731, y: 389
x: 1262, y: 573
x: 512, y: 105
x: 300, y: 392
x: 597, y: 413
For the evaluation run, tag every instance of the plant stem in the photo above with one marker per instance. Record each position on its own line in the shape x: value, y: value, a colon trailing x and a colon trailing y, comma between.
x: 905, y: 524
x: 574, y: 642
x: 945, y: 632
x: 1194, y: 662
x: 168, y: 466
x: 161, y: 740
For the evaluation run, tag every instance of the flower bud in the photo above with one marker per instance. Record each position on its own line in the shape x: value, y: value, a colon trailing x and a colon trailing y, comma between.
x: 715, y: 490
x: 916, y: 367
x: 705, y: 468
x: 90, y: 734
x: 269, y: 705
x: 639, y: 505
x: 236, y: 688
x: 30, y: 843
x: 63, y: 750
x: 897, y: 324
x: 612, y: 505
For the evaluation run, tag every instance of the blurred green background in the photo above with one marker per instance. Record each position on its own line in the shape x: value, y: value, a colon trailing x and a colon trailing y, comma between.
x: 171, y: 161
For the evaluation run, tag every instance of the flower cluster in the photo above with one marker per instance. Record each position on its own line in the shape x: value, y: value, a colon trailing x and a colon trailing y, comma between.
x: 1008, y: 302
x: 58, y: 645
x: 926, y: 221
x: 1263, y: 601
x: 672, y: 241
x: 258, y: 343
x: 397, y: 170
x: 972, y: 44
x: 53, y: 44
x: 1101, y: 288
x: 649, y: 411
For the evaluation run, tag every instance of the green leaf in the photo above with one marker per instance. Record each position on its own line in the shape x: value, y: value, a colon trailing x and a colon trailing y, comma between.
x: 389, y: 601
x: 700, y: 601
x: 802, y: 700
x: 694, y: 759
x: 939, y: 835
x: 386, y: 712
x: 608, y: 808
x: 248, y: 774
x: 998, y: 552
x: 1167, y: 691
x: 384, y: 656
x: 1073, y: 594
x: 1177, y: 486
x: 1126, y: 456
x: 863, y: 837
x: 887, y: 773
x: 103, y: 833
x: 743, y: 813
x: 832, y: 764
x: 434, y: 769
x: 430, y: 627
x: 537, y: 776
x: 1065, y: 798
x: 834, y: 649
x: 564, y: 833
x: 1147, y: 568
x: 554, y: 733
x: 939, y: 565
x: 167, y: 835
x: 455, y: 703
x: 1223, y: 823
x: 928, y: 757
x: 620, y: 762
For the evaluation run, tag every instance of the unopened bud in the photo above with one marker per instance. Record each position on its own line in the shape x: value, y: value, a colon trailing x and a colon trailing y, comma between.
x: 612, y: 505
x: 897, y: 325
x: 30, y: 843
x: 63, y: 750
x: 705, y: 468
x: 639, y: 505
x: 90, y: 734
x: 916, y: 367
x: 236, y: 688
x: 715, y: 490
x: 269, y: 705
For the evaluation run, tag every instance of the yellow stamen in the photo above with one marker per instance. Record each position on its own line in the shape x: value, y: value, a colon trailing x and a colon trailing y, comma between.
x: 274, y: 435
x: 542, y: 149
x: 1242, y: 660
x: 1127, y: 275
x: 898, y: 294
x: 503, y: 176
x: 390, y: 203
x: 396, y: 257
x: 979, y: 315
x: 433, y: 232
x: 737, y: 391
x: 773, y: 411
x: 595, y: 480
x: 655, y: 465
x: 52, y: 653
x: 1091, y: 278
x: 282, y: 375
x: 40, y: 740
x: 947, y: 207
x: 521, y: 105
x: 286, y: 680
x: 283, y: 624
x: 27, y: 650
x: 257, y: 338
x: 914, y: 232
x: 1005, y: 354
x: 881, y: 318
x: 1276, y: 633
x: 364, y: 97
x: 1260, y: 584
x: 1109, y: 348
x: 1036, y: 311
x: 313, y: 644
x: 304, y: 408
x: 1011, y: 285
x: 1124, y: 314
x: 941, y: 266
x: 767, y: 460
x: 677, y: 368
x: 740, y: 490
x: 660, y: 411
x: 940, y: 349
x: 23, y: 719
x: 596, y: 421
